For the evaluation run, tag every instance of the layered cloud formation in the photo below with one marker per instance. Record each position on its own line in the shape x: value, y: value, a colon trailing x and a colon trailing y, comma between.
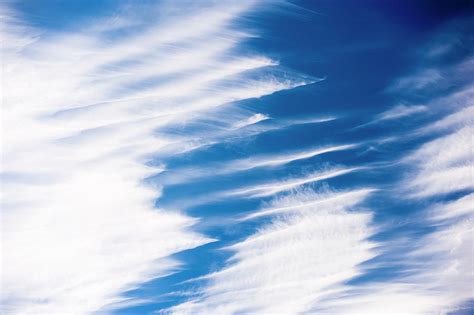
x: 98, y: 119
x: 83, y: 113
x: 289, y: 265
x: 317, y: 249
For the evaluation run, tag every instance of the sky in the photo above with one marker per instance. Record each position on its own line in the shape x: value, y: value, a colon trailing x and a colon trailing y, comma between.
x: 237, y: 157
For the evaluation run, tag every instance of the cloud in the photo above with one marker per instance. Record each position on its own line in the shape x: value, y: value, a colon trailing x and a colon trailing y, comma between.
x: 456, y: 209
x: 250, y: 121
x: 445, y: 164
x: 279, y: 207
x: 463, y: 117
x: 401, y: 111
x: 265, y: 190
x: 253, y: 162
x: 396, y: 112
x: 439, y: 278
x: 84, y: 111
x: 290, y: 264
x: 277, y: 160
x: 421, y: 80
x: 303, y: 260
x: 437, y: 275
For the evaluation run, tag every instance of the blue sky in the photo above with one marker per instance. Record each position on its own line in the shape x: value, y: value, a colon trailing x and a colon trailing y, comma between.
x: 237, y: 157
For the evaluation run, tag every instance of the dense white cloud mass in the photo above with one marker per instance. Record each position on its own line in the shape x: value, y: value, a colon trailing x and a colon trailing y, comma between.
x: 82, y: 114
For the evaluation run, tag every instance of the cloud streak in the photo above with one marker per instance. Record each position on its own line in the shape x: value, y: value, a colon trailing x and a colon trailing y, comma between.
x: 266, y: 190
x: 303, y: 258
x: 437, y: 277
x: 293, y: 262
x: 264, y: 161
x: 83, y: 113
x: 401, y: 111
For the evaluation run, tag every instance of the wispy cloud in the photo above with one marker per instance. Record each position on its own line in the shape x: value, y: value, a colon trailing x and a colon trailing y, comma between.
x: 445, y: 164
x: 395, y: 113
x: 419, y: 81
x: 307, y: 204
x: 401, y: 111
x: 250, y: 121
x: 87, y: 112
x: 437, y: 277
x: 265, y: 190
x: 463, y: 117
x: 303, y: 259
x: 290, y: 264
x: 83, y: 113
x: 253, y: 162
x: 269, y: 161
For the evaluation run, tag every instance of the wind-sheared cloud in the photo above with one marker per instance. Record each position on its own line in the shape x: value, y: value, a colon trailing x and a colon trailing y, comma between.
x: 455, y: 209
x: 300, y: 258
x: 445, y: 164
x: 419, y: 81
x: 284, y: 159
x: 401, y: 111
x: 438, y: 273
x: 285, y: 205
x: 250, y: 121
x: 83, y: 113
x: 217, y: 127
x: 439, y: 276
x: 395, y: 113
x: 253, y: 162
x: 91, y: 116
x: 265, y: 190
x: 463, y: 117
x: 303, y: 259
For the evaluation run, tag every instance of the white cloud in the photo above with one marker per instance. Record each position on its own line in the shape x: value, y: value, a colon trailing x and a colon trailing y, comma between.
x: 263, y: 161
x: 401, y: 111
x: 269, y: 189
x: 418, y: 81
x: 463, y: 117
x: 279, y: 269
x: 251, y: 120
x: 276, y: 160
x: 438, y: 275
x: 455, y: 209
x: 82, y: 113
x: 289, y: 204
x: 290, y: 264
x: 445, y: 164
